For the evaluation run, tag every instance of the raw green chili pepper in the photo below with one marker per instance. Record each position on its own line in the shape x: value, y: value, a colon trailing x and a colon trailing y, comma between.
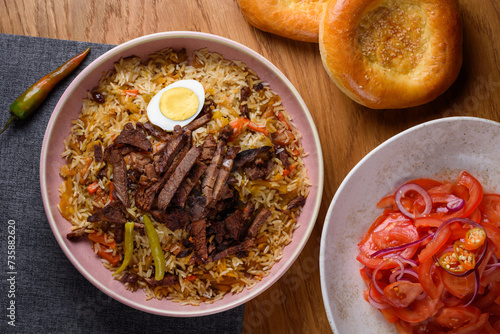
x: 156, y: 250
x: 28, y: 101
x: 128, y: 246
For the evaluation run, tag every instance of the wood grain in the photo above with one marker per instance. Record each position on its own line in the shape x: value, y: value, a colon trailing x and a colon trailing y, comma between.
x: 347, y: 131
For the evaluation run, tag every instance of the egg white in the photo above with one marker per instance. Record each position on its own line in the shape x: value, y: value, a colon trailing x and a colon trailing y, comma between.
x: 157, y: 118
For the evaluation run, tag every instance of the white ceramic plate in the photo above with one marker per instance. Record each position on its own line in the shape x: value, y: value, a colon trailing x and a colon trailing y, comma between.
x: 439, y: 149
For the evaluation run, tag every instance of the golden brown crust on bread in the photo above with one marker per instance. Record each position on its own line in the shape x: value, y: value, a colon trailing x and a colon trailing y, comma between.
x: 388, y: 54
x: 295, y: 19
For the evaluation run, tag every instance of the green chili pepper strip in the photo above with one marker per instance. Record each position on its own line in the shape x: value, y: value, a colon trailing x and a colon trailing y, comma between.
x: 156, y: 250
x: 28, y: 101
x: 128, y: 246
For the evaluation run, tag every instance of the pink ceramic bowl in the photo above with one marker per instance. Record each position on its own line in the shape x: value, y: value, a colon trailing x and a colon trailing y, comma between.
x: 68, y: 108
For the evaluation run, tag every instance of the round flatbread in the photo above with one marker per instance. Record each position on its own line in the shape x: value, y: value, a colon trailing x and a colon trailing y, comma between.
x: 295, y: 19
x: 389, y: 54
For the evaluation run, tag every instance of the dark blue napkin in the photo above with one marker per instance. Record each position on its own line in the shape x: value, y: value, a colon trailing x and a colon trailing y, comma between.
x: 40, y: 290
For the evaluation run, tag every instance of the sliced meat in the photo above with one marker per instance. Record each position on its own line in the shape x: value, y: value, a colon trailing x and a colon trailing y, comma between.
x: 197, y: 210
x: 189, y: 182
x: 212, y: 171
x: 208, y: 148
x: 244, y: 94
x: 133, y: 137
x: 184, y: 253
x: 156, y: 132
x: 232, y: 181
x: 103, y: 173
x: 76, y: 234
x: 175, y: 219
x: 234, y: 225
x: 199, y: 122
x: 261, y: 218
x: 137, y: 161
x: 283, y: 156
x: 255, y: 172
x: 248, y: 156
x: 145, y: 196
x: 119, y: 232
x: 245, y: 245
x: 150, y: 172
x: 134, y: 175
x: 226, y: 132
x: 112, y: 213
x: 227, y: 165
x: 139, y: 227
x: 98, y: 153
x: 296, y: 202
x: 226, y: 192
x: 168, y: 279
x: 219, y: 228
x: 199, y: 233
x: 165, y: 156
x: 177, y: 177
x: 120, y: 178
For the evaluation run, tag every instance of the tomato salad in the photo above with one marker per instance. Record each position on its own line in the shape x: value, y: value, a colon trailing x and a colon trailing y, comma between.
x: 431, y: 259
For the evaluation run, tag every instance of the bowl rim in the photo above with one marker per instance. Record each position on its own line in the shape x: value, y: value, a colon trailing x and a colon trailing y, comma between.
x: 326, y: 225
x: 186, y: 310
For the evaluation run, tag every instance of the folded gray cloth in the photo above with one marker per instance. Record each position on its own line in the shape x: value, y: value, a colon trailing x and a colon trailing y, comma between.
x: 40, y: 290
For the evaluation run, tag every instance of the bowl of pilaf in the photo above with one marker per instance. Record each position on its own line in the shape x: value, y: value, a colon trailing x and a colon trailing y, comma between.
x: 193, y: 221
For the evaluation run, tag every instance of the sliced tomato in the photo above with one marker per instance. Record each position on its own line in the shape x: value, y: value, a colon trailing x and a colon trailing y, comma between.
x: 475, y: 216
x: 491, y: 278
x: 435, y: 244
x: 387, y: 202
x: 389, y: 315
x: 402, y: 293
x: 427, y: 184
x: 458, y: 316
x: 419, y: 310
x: 403, y: 327
x: 439, y: 200
x: 474, y: 328
x: 458, y: 233
x: 428, y: 221
x: 460, y: 287
x: 493, y: 234
x: 487, y: 299
x: 475, y: 192
x: 429, y: 279
x: 386, y: 232
x: 490, y: 208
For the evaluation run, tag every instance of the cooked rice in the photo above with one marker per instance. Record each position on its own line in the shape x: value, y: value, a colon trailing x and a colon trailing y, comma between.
x: 101, y: 123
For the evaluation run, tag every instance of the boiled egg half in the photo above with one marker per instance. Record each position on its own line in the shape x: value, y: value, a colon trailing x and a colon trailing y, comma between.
x: 176, y: 104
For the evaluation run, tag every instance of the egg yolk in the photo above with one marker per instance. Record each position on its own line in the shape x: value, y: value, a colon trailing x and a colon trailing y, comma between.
x: 179, y: 103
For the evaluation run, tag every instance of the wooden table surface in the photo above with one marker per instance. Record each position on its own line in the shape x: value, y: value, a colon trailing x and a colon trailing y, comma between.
x: 347, y: 130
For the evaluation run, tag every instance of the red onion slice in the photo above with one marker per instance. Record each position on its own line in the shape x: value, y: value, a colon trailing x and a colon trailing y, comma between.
x: 455, y: 205
x: 420, y: 190
x: 400, y: 273
x: 375, y: 271
x: 490, y: 268
x: 373, y: 302
x: 476, y: 288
